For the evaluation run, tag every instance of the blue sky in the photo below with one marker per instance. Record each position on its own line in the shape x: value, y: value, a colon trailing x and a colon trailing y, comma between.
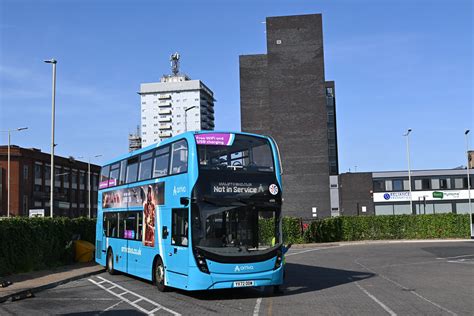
x: 396, y: 64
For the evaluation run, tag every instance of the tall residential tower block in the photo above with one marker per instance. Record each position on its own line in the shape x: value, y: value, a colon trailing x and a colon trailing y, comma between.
x: 174, y: 105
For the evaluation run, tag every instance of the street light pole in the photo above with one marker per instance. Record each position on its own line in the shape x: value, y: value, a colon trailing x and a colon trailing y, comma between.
x: 186, y: 117
x: 89, y: 179
x: 51, y: 188
x: 407, y: 135
x: 469, y: 183
x: 8, y: 164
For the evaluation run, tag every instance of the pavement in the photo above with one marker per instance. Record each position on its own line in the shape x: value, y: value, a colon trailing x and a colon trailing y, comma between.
x: 24, y: 284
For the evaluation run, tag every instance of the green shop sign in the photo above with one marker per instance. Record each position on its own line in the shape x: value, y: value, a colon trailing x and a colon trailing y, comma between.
x: 438, y: 195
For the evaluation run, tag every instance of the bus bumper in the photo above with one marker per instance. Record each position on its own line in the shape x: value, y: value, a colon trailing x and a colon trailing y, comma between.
x: 198, y: 280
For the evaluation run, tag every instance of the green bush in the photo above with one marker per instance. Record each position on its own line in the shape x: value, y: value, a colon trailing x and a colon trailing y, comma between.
x: 291, y: 228
x: 36, y: 243
x: 349, y: 228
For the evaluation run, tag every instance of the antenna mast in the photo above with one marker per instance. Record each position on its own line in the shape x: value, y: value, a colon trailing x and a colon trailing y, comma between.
x: 175, y: 63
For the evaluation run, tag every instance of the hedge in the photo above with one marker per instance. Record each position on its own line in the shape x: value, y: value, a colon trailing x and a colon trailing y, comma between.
x: 36, y: 243
x: 349, y: 228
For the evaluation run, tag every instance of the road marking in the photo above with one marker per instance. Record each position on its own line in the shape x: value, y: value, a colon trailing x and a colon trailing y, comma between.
x: 385, y: 307
x: 110, y: 307
x: 465, y: 261
x: 156, y: 306
x: 256, y: 310
x: 472, y: 255
x: 405, y: 288
x: 305, y: 251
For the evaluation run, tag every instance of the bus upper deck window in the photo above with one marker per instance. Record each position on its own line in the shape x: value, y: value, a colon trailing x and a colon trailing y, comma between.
x: 132, y: 169
x: 179, y: 157
x: 146, y: 162
x: 160, y: 164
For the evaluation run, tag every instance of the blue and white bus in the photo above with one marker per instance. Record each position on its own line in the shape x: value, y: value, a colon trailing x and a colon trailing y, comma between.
x: 188, y: 212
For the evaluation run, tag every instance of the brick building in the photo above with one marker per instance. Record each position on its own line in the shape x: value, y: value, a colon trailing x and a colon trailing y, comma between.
x: 30, y: 183
x: 284, y: 94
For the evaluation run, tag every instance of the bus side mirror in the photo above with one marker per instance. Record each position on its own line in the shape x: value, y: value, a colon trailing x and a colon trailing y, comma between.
x: 184, y: 201
x: 165, y: 232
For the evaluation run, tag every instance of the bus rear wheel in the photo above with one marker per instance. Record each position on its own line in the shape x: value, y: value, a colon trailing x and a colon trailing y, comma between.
x: 110, y: 262
x: 160, y: 275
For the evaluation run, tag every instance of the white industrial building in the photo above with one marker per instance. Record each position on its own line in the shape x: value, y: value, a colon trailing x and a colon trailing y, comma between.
x: 173, y: 106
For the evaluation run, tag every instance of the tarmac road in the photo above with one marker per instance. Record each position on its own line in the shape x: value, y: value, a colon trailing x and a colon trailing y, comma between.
x: 409, y: 278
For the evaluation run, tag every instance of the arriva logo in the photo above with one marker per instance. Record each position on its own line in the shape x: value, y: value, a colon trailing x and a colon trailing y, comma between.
x: 243, y: 268
x: 178, y: 190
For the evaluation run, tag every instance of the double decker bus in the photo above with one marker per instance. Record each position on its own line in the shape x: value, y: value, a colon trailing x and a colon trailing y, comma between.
x: 197, y: 211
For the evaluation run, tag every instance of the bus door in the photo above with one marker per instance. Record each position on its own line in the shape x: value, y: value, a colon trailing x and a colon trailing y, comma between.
x: 177, y: 243
x: 120, y: 244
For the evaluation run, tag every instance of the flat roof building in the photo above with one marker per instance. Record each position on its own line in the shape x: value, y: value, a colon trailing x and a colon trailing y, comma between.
x: 387, y: 193
x: 30, y: 183
x: 284, y: 94
x: 174, y: 105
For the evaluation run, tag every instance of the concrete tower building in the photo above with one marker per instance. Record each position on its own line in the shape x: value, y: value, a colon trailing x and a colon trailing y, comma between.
x: 174, y: 105
x: 284, y: 94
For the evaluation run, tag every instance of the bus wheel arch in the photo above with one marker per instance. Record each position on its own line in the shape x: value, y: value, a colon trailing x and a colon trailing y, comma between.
x: 110, y: 261
x: 158, y: 274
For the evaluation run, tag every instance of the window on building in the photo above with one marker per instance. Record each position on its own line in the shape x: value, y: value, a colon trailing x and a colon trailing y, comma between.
x: 400, y: 209
x: 418, y: 184
x: 104, y: 174
x: 458, y: 183
x: 384, y: 209
x: 74, y: 179
x: 443, y: 208
x: 47, y: 175
x: 179, y: 157
x: 445, y: 183
x: 82, y: 180
x: 65, y: 175
x: 398, y: 185
x: 425, y: 184
x: 379, y: 185
x: 388, y: 185
x: 38, y: 173
x: 25, y: 172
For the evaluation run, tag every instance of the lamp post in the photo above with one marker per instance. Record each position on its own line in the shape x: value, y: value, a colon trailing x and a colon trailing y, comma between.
x: 407, y: 135
x: 89, y: 179
x: 53, y: 62
x: 469, y: 183
x: 8, y: 164
x: 186, y: 117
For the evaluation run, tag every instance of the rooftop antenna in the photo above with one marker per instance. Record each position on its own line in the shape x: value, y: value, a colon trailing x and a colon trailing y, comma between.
x: 175, y: 63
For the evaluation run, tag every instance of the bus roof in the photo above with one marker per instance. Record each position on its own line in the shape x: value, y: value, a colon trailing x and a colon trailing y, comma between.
x: 187, y: 135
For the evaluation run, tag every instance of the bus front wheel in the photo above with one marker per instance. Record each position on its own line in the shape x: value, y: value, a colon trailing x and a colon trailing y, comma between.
x: 110, y: 262
x: 160, y: 275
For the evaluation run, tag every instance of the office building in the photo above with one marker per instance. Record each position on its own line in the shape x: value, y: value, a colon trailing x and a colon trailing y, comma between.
x: 174, y: 105
x: 387, y: 193
x: 284, y: 94
x: 30, y: 183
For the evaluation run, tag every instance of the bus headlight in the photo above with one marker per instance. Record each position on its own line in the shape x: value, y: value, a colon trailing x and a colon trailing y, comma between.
x: 201, y: 261
x: 279, y: 259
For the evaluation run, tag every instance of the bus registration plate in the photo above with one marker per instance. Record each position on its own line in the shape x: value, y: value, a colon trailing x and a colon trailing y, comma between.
x: 244, y: 283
